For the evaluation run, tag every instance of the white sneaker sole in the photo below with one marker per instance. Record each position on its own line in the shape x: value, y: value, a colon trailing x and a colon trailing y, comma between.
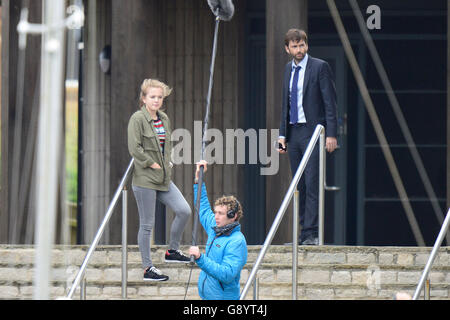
x: 175, y: 261
x: 154, y: 280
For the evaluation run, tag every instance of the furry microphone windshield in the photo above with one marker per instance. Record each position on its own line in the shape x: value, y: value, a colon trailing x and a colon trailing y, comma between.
x: 224, y: 9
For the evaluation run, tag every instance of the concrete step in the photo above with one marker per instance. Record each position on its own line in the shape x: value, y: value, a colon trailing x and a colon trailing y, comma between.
x: 324, y: 272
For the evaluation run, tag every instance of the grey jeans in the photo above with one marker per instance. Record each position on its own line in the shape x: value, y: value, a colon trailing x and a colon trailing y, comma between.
x: 146, y: 202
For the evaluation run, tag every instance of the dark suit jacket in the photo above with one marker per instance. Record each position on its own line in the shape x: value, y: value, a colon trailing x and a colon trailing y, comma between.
x: 319, y: 98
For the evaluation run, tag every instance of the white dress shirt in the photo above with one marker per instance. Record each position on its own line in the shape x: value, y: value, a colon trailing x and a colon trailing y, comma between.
x: 301, y: 77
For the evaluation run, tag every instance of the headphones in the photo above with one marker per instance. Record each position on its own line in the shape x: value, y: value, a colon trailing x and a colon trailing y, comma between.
x: 231, y: 213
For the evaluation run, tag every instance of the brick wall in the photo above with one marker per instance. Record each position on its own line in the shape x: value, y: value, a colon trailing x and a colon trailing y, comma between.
x: 323, y: 273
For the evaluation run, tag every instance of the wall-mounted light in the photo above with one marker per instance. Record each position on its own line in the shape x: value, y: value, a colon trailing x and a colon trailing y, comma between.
x: 105, y: 59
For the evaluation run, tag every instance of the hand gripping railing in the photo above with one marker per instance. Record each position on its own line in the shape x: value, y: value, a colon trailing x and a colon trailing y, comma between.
x: 81, y: 273
x: 437, y: 245
x: 319, y: 132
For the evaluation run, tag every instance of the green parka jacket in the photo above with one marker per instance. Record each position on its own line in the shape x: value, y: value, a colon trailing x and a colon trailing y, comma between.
x: 144, y: 147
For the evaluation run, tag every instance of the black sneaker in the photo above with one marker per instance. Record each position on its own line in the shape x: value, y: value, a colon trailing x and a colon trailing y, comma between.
x: 153, y: 274
x: 176, y: 256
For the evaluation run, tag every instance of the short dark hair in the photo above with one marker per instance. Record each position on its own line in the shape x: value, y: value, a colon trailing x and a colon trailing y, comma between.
x: 295, y: 35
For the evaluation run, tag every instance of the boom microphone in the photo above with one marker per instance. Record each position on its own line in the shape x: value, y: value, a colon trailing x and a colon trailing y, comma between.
x: 223, y: 9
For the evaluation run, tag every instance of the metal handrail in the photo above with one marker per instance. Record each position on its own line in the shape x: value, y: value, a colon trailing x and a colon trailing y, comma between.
x: 437, y: 245
x: 81, y: 272
x: 319, y: 132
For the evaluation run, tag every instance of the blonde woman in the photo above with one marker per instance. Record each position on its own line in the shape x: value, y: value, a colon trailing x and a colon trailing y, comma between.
x: 149, y: 144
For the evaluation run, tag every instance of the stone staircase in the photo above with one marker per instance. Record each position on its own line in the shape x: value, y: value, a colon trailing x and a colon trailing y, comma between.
x: 324, y: 272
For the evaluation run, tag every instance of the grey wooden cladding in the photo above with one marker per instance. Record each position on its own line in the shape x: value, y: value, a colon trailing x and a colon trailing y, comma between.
x: 98, y: 123
x: 16, y: 209
x: 448, y: 103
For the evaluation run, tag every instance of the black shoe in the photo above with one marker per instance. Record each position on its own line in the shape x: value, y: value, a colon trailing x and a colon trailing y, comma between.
x: 311, y: 241
x: 153, y: 274
x: 176, y: 256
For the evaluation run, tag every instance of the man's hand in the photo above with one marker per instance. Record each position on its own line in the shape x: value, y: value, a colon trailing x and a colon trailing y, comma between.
x: 199, y: 164
x: 194, y: 251
x: 282, y: 141
x: 330, y: 144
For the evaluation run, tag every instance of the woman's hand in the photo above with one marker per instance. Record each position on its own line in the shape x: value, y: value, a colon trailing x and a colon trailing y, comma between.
x: 155, y: 166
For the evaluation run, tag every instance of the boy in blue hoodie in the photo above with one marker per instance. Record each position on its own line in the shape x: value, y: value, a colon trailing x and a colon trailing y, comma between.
x: 226, y: 248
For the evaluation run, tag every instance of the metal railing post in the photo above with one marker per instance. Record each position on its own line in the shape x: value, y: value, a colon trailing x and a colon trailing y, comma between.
x: 83, y: 289
x: 256, y: 289
x: 124, y: 243
x: 100, y: 231
x: 322, y: 169
x: 283, y: 208
x: 295, y: 246
x: 427, y: 290
x: 434, y: 252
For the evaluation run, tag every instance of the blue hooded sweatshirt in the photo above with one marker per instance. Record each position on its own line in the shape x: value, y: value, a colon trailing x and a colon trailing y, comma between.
x: 224, y: 258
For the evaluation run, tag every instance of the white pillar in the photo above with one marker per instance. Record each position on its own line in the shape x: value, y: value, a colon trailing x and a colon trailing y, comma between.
x: 49, y: 142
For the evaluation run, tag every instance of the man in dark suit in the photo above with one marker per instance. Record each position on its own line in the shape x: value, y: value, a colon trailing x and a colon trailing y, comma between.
x: 309, y: 99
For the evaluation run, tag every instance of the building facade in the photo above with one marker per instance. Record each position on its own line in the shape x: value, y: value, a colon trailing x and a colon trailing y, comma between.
x: 172, y: 41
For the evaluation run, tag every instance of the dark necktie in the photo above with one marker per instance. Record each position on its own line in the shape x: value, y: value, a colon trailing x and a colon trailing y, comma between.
x: 294, y: 95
